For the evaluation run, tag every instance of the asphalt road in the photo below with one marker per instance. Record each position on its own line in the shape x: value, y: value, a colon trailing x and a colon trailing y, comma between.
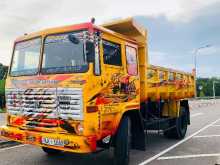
x: 201, y: 146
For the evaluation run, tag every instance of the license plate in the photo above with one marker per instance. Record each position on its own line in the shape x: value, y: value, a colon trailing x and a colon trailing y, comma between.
x: 52, y: 142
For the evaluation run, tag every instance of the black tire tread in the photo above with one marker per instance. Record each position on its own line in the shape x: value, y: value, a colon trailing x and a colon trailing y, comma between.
x: 176, y: 133
x: 121, y: 146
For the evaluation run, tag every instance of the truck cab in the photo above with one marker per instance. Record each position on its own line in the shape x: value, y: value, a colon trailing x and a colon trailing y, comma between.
x: 71, y: 81
x: 82, y: 88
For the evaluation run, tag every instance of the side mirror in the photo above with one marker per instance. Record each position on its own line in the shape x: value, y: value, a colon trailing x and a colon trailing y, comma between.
x: 90, y: 51
x: 73, y: 39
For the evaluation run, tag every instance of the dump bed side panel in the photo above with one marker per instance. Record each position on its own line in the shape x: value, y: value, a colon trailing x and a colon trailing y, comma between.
x: 169, y: 84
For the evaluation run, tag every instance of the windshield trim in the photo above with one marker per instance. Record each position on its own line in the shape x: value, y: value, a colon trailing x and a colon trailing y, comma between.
x: 37, y: 72
x: 43, y: 50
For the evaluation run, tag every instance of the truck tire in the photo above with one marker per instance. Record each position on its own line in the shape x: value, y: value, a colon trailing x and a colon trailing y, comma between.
x: 181, y: 124
x: 50, y: 151
x: 123, y: 142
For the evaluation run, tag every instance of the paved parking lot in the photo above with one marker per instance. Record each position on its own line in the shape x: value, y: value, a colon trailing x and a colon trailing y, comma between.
x: 201, y: 146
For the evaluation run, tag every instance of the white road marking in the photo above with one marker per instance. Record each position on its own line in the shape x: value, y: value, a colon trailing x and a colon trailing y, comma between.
x: 196, y: 114
x: 8, y: 148
x: 177, y: 144
x: 188, y: 156
x: 206, y: 136
x: 216, y: 125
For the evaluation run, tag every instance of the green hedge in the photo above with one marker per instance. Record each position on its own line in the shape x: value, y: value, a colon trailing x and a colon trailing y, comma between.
x: 207, y: 87
x: 2, y: 87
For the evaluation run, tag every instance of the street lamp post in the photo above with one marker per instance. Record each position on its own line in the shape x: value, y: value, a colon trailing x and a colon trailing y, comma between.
x: 195, y: 63
x: 213, y: 86
x: 213, y: 89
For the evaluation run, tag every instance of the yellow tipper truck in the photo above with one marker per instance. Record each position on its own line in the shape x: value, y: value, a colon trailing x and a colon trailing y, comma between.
x: 84, y: 88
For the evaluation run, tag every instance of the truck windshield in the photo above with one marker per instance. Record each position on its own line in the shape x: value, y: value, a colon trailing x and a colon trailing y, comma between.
x: 26, y: 57
x: 64, y: 53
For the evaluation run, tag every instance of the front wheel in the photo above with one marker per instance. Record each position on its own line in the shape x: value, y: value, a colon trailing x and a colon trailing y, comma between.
x: 180, y: 123
x: 50, y: 151
x: 123, y: 142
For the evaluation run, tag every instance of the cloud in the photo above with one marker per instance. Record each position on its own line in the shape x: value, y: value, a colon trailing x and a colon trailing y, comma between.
x: 16, y: 19
x: 175, y: 26
x: 188, y: 10
x: 210, y: 50
x: 207, y: 71
x: 178, y: 40
x: 168, y: 60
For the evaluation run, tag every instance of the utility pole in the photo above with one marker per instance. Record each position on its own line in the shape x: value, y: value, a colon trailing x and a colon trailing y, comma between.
x: 195, y: 64
x: 213, y: 87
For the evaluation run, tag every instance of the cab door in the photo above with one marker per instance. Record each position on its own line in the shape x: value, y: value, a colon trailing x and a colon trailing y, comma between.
x: 112, y: 69
x: 120, y: 72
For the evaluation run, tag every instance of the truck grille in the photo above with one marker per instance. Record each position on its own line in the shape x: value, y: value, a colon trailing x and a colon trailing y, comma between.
x: 70, y: 104
x: 45, y: 103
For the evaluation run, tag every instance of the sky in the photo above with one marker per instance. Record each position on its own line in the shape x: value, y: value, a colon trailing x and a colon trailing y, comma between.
x: 176, y: 28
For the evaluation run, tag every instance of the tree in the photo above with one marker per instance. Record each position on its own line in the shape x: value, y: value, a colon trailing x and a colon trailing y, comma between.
x: 207, y: 86
x: 3, y: 71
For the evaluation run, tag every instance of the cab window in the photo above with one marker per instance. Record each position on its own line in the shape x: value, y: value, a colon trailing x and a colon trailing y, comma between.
x: 112, y: 53
x: 131, y: 57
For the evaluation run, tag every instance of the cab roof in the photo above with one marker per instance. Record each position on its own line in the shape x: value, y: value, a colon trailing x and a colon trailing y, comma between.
x: 124, y: 29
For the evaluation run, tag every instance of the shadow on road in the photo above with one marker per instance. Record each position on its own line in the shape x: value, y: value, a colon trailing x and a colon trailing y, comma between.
x: 105, y: 157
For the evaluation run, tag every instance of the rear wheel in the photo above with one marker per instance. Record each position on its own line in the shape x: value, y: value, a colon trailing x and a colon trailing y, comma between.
x: 50, y: 151
x: 123, y: 142
x: 180, y: 123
